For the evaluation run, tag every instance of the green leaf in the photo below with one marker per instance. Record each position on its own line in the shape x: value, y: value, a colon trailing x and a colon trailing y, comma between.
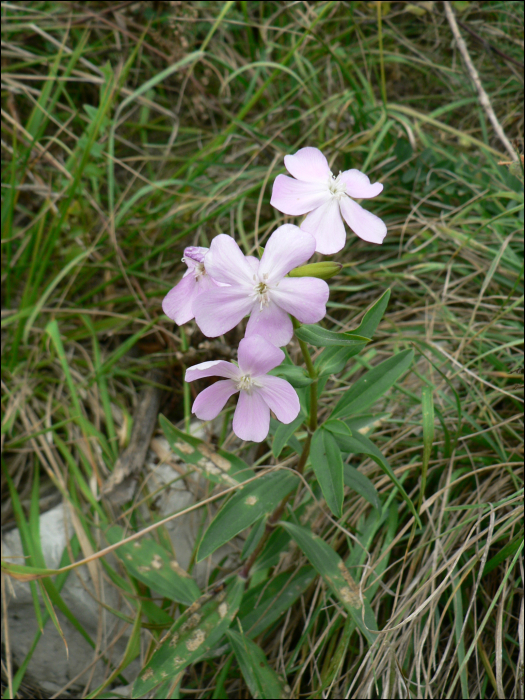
x: 195, y: 632
x: 272, y: 551
x: 253, y: 538
x: 505, y: 553
x: 428, y: 438
x: 334, y: 359
x: 254, y: 500
x: 150, y: 563
x: 321, y: 337
x: 218, y: 466
x: 266, y: 602
x: 359, y: 444
x: 337, y: 427
x: 297, y: 376
x: 327, y: 463
x: 373, y: 316
x: 284, y: 432
x: 372, y: 385
x: 365, y: 422
x: 361, y: 485
x: 260, y: 678
x: 337, y: 577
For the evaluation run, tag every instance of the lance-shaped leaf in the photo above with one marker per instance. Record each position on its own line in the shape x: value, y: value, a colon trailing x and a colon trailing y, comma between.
x: 366, y: 422
x: 335, y: 574
x: 298, y: 377
x: 327, y: 463
x: 260, y: 678
x: 337, y: 427
x: 196, y: 631
x: 373, y: 316
x: 321, y: 337
x: 150, y: 563
x: 284, y: 432
x: 361, y: 485
x: 218, y: 466
x: 267, y: 601
x: 271, y: 553
x: 334, y: 359
x: 372, y: 385
x: 360, y: 444
x: 252, y: 501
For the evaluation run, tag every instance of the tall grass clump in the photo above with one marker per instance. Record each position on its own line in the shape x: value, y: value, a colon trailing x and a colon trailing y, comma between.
x: 132, y: 130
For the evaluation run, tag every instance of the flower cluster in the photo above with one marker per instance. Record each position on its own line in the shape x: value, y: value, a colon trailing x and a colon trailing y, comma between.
x: 222, y: 285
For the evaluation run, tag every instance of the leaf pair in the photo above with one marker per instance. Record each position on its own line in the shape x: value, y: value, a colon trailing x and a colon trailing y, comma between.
x: 335, y: 436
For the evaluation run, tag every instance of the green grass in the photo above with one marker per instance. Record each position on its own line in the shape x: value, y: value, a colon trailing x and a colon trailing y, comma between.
x: 135, y: 129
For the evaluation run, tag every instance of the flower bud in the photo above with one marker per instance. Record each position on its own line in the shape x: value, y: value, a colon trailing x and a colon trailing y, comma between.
x: 321, y: 270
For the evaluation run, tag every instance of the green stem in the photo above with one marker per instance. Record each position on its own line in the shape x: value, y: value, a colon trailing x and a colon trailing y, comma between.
x: 185, y: 385
x: 276, y: 515
x: 313, y: 374
x: 312, y: 425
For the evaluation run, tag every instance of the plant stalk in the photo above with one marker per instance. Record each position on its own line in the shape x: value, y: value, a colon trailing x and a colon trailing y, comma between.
x: 312, y: 426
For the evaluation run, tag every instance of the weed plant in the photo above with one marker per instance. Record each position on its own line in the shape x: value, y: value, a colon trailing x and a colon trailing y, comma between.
x: 131, y: 130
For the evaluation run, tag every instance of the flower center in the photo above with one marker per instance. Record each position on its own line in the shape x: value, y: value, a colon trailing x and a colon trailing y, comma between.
x: 261, y: 291
x: 199, y: 270
x: 247, y: 383
x: 336, y: 186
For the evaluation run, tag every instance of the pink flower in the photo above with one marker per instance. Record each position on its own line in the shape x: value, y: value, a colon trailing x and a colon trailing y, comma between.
x: 260, y: 288
x: 178, y: 302
x: 327, y: 197
x: 259, y: 391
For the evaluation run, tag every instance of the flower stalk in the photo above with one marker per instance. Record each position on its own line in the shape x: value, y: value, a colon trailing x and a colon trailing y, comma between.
x: 312, y: 426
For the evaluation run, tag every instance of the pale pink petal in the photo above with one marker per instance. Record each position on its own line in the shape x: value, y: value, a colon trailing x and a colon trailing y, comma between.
x: 251, y: 420
x: 214, y: 368
x: 308, y: 164
x: 258, y: 356
x: 221, y: 309
x: 226, y: 263
x: 206, y: 284
x: 253, y: 262
x: 366, y: 225
x: 327, y: 227
x: 358, y: 184
x: 178, y: 302
x: 287, y: 247
x: 272, y: 323
x: 303, y: 297
x: 210, y: 402
x: 280, y: 396
x: 297, y: 197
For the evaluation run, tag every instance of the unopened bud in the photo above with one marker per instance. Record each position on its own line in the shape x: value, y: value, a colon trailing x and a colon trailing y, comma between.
x: 321, y: 270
